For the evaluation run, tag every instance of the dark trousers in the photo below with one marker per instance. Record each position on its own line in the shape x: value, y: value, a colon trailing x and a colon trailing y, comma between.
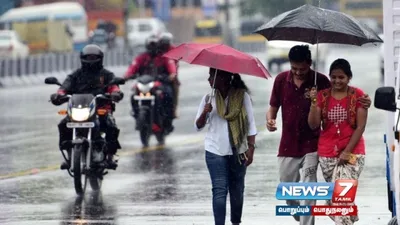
x: 105, y: 124
x: 227, y: 175
x: 175, y: 87
x: 169, y: 100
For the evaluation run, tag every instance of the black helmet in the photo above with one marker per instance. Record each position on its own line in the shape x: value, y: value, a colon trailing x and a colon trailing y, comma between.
x: 92, y: 58
x: 165, y: 41
x: 166, y: 38
x: 152, y: 44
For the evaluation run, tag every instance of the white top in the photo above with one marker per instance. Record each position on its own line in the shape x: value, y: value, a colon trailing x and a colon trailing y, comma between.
x: 217, y: 137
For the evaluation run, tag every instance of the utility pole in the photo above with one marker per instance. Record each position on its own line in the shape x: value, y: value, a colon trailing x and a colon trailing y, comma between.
x: 142, y: 8
x: 126, y: 28
x: 228, y: 30
x: 232, y: 21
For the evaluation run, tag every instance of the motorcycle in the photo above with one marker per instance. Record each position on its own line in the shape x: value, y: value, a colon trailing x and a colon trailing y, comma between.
x: 83, y: 113
x: 148, y: 98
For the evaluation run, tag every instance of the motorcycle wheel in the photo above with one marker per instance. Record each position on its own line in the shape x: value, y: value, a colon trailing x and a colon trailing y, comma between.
x: 393, y: 221
x: 145, y: 127
x: 145, y: 136
x: 95, y: 182
x: 160, y: 138
x: 79, y: 162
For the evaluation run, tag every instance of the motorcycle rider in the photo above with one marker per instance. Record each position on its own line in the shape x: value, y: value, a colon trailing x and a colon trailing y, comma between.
x: 152, y: 63
x: 91, y: 78
x: 165, y: 45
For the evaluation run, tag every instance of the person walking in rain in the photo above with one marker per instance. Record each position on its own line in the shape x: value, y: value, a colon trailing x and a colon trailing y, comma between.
x: 341, y: 146
x: 229, y: 142
x: 298, y: 144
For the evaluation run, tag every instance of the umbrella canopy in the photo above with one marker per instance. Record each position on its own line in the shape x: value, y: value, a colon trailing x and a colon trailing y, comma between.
x: 317, y: 25
x: 219, y: 56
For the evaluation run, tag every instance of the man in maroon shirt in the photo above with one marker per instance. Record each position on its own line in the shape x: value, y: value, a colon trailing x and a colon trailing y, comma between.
x: 298, y: 145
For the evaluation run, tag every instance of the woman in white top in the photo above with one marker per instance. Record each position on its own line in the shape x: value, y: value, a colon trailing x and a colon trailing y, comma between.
x: 229, y: 142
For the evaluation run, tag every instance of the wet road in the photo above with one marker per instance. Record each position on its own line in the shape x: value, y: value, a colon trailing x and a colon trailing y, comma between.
x: 161, y: 186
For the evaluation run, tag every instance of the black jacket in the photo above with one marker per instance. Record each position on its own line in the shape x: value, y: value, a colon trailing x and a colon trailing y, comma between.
x: 82, y: 82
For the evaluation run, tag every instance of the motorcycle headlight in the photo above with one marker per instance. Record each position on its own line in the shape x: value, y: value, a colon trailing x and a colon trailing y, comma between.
x: 145, y: 87
x: 80, y: 114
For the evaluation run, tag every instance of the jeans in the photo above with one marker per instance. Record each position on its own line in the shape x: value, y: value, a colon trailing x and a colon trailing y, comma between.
x: 226, y: 175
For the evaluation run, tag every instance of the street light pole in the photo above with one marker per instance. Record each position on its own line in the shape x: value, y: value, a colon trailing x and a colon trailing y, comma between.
x: 142, y: 8
x: 228, y: 30
x: 126, y: 28
x: 232, y: 21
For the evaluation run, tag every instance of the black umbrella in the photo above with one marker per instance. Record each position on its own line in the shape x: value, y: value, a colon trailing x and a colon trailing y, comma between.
x: 317, y: 25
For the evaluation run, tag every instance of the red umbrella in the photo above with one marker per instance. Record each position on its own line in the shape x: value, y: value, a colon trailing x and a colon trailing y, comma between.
x: 220, y: 57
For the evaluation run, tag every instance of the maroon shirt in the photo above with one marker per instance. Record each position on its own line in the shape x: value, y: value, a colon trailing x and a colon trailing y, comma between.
x: 297, y: 138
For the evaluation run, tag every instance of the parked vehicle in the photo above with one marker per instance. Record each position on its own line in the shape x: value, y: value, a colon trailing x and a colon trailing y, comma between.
x: 140, y: 29
x: 11, y: 46
x: 277, y: 53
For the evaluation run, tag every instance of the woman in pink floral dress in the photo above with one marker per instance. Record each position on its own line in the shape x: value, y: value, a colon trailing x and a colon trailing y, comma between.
x: 341, y: 147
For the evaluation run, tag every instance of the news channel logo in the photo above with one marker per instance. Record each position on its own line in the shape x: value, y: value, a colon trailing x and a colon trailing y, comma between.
x: 341, y: 191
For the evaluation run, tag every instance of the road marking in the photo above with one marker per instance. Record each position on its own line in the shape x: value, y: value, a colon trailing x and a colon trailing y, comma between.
x: 35, y: 171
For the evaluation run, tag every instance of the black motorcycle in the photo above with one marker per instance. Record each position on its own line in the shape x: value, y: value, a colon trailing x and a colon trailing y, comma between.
x: 147, y: 97
x: 83, y: 113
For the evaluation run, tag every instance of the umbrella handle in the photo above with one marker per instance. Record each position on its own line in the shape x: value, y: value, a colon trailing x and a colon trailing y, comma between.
x: 316, y: 67
x: 209, y: 101
x: 315, y: 79
x: 211, y: 96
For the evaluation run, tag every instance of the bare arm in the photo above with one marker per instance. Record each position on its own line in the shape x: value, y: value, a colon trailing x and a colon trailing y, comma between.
x: 272, y: 113
x: 201, y: 121
x: 271, y: 118
x: 314, y: 117
x: 275, y: 102
x: 201, y: 116
x: 362, y: 115
x: 251, y: 139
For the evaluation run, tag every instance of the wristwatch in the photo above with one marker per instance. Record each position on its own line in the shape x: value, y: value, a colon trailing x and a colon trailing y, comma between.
x: 252, y: 145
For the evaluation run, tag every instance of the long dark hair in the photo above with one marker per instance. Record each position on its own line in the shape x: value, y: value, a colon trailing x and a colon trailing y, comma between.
x: 236, y: 79
x: 237, y: 82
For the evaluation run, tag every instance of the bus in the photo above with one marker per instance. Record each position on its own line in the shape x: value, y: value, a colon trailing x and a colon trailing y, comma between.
x: 363, y: 9
x: 72, y: 14
x: 208, y: 31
